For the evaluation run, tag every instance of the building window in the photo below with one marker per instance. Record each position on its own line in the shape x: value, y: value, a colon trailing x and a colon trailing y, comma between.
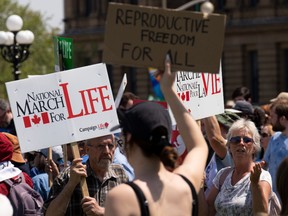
x: 254, y: 3
x: 131, y: 78
x: 285, y: 56
x: 88, y: 7
x: 220, y: 5
x: 282, y: 67
x: 254, y: 74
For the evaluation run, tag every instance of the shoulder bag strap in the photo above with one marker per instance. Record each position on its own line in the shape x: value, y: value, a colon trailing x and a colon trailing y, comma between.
x: 195, y: 196
x: 141, y: 199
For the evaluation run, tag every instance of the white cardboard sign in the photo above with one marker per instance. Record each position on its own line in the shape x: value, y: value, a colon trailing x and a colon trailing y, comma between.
x: 121, y: 91
x: 201, y: 93
x: 63, y: 107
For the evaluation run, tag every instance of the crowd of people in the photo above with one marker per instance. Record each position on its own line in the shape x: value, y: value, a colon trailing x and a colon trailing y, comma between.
x: 236, y: 162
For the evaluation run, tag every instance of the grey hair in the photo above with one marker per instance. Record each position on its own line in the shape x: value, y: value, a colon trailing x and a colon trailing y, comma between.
x: 4, y: 105
x: 250, y: 127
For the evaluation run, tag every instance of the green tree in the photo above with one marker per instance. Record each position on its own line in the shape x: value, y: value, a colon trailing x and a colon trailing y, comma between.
x: 41, y: 58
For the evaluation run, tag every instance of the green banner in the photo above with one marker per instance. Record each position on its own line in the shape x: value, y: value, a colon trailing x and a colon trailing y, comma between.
x: 63, y: 53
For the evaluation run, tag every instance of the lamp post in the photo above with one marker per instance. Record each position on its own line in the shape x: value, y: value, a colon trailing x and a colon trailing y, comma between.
x: 206, y: 8
x: 15, y: 43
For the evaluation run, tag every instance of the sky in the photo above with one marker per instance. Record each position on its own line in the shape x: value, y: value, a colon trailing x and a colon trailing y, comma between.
x: 48, y: 8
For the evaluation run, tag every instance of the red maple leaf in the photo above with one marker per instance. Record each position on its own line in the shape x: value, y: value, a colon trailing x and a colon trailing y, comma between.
x: 35, y: 119
x: 183, y: 96
x: 106, y: 124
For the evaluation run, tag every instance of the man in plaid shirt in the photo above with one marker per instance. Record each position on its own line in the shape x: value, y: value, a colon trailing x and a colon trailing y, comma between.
x: 65, y: 197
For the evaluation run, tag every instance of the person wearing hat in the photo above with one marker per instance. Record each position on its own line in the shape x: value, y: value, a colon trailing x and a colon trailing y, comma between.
x: 7, y: 169
x: 166, y: 186
x: 281, y: 95
x: 38, y: 172
x: 65, y: 197
x: 245, y: 107
x: 17, y: 157
x: 216, y: 129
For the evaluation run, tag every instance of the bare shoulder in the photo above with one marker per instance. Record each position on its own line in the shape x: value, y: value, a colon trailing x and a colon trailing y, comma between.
x: 116, y: 204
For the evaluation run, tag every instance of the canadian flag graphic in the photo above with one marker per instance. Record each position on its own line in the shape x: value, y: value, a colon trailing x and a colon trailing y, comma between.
x: 35, y: 119
x: 185, y: 96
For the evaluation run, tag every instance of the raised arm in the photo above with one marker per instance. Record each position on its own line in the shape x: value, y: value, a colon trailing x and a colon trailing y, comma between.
x: 216, y: 140
x: 194, y: 164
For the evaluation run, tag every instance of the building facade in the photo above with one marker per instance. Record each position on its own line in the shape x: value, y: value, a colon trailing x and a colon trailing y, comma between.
x: 255, y: 51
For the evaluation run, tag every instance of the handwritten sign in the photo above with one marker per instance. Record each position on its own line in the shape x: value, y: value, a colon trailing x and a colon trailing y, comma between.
x: 62, y: 107
x: 145, y: 35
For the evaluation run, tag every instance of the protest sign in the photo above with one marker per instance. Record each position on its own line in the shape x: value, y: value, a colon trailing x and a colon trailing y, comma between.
x: 63, y: 107
x: 63, y: 53
x: 145, y: 35
x: 201, y: 93
x: 121, y: 91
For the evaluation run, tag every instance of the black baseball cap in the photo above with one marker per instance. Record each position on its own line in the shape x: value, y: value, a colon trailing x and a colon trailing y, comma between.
x: 143, y: 118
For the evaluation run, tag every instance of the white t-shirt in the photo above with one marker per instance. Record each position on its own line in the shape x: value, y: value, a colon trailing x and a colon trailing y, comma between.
x: 236, y: 199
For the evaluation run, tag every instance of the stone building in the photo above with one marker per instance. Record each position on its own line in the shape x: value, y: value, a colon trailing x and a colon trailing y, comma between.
x: 255, y: 51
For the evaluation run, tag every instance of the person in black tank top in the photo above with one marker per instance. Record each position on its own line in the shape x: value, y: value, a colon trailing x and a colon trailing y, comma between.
x: 159, y: 187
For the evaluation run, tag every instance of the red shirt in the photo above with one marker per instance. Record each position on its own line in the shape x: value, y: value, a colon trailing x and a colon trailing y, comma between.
x: 4, y: 188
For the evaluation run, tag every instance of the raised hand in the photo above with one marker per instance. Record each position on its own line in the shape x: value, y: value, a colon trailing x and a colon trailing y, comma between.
x: 255, y: 173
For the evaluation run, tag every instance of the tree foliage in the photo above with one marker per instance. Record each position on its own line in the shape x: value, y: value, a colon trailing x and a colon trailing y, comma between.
x: 41, y: 58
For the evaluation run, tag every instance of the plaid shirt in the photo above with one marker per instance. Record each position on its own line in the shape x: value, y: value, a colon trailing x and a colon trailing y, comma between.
x: 115, y: 176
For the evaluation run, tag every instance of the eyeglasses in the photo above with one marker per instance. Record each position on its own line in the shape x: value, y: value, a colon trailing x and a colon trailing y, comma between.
x: 237, y: 139
x: 264, y: 135
x: 102, y: 147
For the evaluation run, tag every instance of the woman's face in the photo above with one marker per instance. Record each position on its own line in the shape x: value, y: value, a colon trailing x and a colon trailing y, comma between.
x: 241, y: 145
x: 265, y: 137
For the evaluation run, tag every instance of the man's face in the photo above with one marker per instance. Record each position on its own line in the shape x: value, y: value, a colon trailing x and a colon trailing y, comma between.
x: 101, y: 151
x: 274, y: 118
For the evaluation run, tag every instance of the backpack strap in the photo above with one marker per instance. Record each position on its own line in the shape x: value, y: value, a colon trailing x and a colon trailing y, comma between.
x: 20, y: 178
x: 141, y: 198
x: 223, y: 177
x: 194, y: 194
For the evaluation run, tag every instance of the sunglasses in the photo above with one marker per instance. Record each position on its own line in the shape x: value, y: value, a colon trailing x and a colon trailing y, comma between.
x: 237, y: 139
x: 264, y: 135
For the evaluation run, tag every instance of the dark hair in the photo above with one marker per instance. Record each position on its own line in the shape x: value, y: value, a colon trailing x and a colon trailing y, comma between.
x: 282, y: 186
x: 126, y: 97
x: 242, y: 91
x: 158, y: 145
x: 259, y: 117
x: 281, y: 107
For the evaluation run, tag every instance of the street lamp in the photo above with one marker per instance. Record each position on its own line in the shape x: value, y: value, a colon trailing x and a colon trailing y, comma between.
x: 206, y: 8
x: 15, y: 43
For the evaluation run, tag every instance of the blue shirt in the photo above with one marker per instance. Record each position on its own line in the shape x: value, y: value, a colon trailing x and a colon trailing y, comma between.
x: 41, y: 185
x: 277, y: 150
x: 121, y: 159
